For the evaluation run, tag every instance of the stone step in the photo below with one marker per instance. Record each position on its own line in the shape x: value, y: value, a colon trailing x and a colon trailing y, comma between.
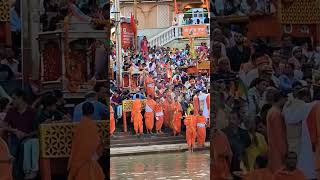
x: 128, y: 137
x: 127, y: 151
x: 136, y: 139
x: 149, y: 143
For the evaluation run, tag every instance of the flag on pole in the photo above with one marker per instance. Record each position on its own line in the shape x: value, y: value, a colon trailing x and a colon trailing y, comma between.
x: 176, y: 11
x: 133, y: 24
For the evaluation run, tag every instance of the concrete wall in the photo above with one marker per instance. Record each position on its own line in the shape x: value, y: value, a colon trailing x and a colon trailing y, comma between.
x: 181, y: 43
x: 149, y: 33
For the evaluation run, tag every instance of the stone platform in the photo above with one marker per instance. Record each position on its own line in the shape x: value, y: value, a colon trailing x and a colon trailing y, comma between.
x: 127, y: 144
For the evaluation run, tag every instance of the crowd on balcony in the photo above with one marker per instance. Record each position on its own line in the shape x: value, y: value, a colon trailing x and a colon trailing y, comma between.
x: 161, y: 76
x: 243, y: 7
x: 266, y: 107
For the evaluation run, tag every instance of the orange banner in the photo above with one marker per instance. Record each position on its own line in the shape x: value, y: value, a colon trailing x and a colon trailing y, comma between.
x: 195, y: 30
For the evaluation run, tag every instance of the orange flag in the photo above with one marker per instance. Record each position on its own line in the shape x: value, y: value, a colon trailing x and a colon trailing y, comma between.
x: 176, y: 11
x: 207, y: 5
x: 133, y: 24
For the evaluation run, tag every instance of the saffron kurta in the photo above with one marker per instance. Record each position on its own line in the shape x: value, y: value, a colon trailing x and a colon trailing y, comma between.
x: 5, y: 163
x: 112, y: 121
x: 220, y: 155
x: 136, y: 116
x: 85, y: 151
x: 159, y: 116
x: 149, y: 113
x: 277, y: 143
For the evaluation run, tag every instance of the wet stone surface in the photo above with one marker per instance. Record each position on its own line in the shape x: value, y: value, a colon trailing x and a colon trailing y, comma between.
x: 173, y: 166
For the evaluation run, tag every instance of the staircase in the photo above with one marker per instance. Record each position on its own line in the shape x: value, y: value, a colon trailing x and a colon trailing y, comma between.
x: 129, y: 140
x: 126, y: 144
x: 168, y: 35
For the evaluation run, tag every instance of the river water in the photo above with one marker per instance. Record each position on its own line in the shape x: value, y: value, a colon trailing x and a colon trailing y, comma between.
x: 165, y: 166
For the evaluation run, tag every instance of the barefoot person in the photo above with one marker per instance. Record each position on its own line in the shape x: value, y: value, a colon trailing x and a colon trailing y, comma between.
x: 201, y: 129
x: 149, y: 114
x: 159, y: 116
x: 191, y: 133
x: 86, y: 148
x: 112, y: 121
x: 136, y: 117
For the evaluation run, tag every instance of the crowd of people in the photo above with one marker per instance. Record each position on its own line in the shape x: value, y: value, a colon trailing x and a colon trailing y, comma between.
x: 161, y: 77
x: 243, y: 7
x: 265, y: 108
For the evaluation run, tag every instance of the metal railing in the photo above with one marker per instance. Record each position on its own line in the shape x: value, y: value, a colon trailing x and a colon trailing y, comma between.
x: 168, y: 35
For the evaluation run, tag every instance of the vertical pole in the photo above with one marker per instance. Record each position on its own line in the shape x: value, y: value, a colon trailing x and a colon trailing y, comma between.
x: 118, y: 42
x: 135, y: 14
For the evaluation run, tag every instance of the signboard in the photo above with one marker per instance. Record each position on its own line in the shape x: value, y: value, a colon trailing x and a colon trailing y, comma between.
x: 127, y: 35
x: 197, y: 31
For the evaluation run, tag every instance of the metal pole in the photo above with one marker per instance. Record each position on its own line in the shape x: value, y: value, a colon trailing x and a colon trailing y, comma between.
x: 118, y: 41
x: 135, y: 14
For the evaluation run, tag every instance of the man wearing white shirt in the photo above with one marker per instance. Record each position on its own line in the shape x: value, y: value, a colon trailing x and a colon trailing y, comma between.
x: 203, y: 105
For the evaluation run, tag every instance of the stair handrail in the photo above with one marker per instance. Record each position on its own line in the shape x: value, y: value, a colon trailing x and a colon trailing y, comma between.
x: 168, y: 35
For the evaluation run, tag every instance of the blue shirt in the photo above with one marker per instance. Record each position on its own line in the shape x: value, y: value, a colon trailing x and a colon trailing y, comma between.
x: 285, y: 84
x: 138, y: 95
x: 15, y: 22
x: 100, y: 111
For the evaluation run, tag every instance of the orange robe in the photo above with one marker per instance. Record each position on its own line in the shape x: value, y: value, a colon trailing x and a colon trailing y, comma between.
x: 220, y: 155
x: 149, y: 86
x: 149, y: 113
x: 196, y: 105
x: 277, y: 139
x: 259, y: 174
x: 5, y: 166
x: 136, y: 116
x: 191, y: 134
x: 85, y: 150
x: 201, y: 130
x: 159, y: 116
x: 286, y: 175
x: 165, y: 106
x: 112, y: 121
x: 208, y: 105
x: 177, y: 117
x: 313, y: 122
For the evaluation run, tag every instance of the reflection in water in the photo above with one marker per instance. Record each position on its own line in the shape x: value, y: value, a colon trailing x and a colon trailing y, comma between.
x: 175, y: 166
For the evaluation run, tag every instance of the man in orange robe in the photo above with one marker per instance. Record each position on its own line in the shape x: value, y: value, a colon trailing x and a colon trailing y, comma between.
x: 290, y: 172
x: 191, y: 133
x: 177, y: 117
x: 196, y: 103
x: 136, y: 116
x: 5, y: 161
x: 149, y: 114
x: 149, y: 85
x: 276, y: 132
x: 208, y: 105
x: 165, y: 106
x: 159, y: 116
x: 86, y: 149
x: 220, y: 155
x: 313, y: 122
x: 201, y: 130
x: 112, y: 121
